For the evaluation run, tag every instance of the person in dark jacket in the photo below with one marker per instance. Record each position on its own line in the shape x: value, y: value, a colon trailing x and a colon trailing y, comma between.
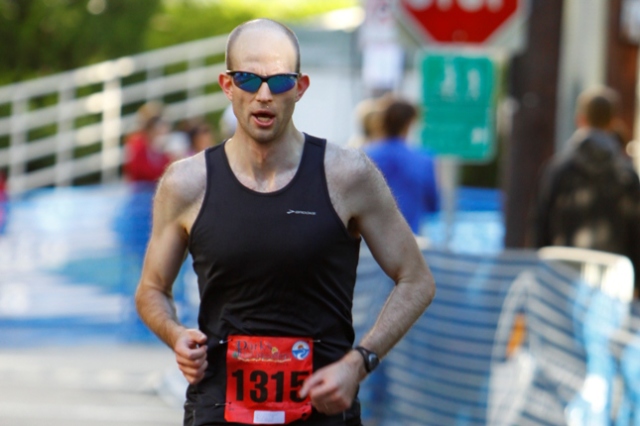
x: 589, y: 193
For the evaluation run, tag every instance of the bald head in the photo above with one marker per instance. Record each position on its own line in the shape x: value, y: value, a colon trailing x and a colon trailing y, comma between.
x: 258, y: 29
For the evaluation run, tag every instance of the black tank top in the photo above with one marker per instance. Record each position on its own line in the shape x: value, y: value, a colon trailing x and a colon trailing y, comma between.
x: 280, y: 263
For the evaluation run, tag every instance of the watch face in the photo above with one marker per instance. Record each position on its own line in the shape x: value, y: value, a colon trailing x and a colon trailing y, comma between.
x: 373, y: 361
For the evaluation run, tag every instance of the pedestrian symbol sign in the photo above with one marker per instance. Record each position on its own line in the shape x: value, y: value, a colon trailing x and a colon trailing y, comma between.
x: 458, y: 94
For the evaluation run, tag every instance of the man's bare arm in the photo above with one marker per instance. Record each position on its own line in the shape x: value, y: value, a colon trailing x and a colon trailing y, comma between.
x: 394, y: 247
x: 166, y: 251
x: 368, y: 201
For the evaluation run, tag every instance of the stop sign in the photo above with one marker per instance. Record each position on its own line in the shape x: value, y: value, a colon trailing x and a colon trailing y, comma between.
x: 459, y: 21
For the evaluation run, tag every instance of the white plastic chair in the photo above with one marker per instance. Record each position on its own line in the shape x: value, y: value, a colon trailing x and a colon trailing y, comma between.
x: 611, y: 273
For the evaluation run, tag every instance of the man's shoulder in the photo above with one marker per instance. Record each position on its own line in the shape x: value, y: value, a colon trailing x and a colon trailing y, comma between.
x: 351, y: 164
x: 184, y: 181
x: 353, y: 180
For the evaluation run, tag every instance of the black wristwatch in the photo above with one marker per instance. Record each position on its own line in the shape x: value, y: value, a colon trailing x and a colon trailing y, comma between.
x: 371, y: 359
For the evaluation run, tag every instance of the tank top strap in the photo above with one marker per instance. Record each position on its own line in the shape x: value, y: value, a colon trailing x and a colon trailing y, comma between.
x: 312, y: 163
x: 318, y: 142
x: 214, y: 157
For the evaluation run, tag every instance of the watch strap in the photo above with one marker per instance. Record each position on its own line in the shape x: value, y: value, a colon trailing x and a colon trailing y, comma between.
x: 365, y: 356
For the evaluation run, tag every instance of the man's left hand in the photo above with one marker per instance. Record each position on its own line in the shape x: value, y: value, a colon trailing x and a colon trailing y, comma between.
x: 333, y: 388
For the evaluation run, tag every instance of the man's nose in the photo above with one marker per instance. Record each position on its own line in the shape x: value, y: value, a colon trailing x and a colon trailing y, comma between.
x: 264, y: 93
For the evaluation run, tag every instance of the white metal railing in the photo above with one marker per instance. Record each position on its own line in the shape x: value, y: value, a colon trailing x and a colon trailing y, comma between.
x: 199, y: 64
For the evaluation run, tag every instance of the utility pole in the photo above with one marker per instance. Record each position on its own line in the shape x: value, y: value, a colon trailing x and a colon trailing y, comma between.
x: 622, y: 67
x: 534, y: 86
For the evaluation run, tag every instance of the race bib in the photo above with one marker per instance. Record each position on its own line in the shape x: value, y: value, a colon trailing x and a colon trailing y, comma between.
x: 264, y: 376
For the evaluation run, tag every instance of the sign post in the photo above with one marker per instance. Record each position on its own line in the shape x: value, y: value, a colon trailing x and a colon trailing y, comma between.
x: 458, y: 97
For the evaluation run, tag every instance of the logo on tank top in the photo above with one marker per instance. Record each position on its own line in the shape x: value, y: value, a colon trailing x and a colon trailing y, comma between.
x: 300, y: 350
x: 301, y: 212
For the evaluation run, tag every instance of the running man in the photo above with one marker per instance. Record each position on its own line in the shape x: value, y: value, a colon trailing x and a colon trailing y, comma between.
x: 273, y: 219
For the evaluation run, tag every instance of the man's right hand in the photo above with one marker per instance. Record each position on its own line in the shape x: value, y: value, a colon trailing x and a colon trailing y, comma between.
x: 191, y: 354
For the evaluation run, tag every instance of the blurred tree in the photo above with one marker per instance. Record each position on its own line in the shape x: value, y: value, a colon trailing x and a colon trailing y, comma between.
x: 39, y: 37
x: 185, y: 20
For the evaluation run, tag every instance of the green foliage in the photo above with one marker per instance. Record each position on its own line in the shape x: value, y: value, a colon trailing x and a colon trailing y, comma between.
x: 40, y: 37
x: 186, y: 20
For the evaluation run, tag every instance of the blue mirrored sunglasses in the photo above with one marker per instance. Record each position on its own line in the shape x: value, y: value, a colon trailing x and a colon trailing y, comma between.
x: 250, y: 82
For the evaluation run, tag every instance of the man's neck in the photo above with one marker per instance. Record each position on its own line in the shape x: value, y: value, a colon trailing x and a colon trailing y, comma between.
x: 268, y: 166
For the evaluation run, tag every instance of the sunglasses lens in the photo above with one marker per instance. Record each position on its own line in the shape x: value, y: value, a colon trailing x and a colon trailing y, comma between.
x: 250, y: 82
x: 281, y: 83
x: 247, y: 81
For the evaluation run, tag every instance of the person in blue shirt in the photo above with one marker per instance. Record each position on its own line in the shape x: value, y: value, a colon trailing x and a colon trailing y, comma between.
x: 409, y: 172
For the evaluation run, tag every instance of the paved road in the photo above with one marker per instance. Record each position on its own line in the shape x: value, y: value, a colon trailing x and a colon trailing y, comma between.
x: 77, y: 386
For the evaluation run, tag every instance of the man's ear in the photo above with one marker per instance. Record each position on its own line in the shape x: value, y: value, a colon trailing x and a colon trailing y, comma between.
x: 224, y: 80
x: 302, y: 85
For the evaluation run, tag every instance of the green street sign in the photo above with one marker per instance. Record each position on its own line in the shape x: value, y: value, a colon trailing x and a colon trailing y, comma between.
x: 458, y: 95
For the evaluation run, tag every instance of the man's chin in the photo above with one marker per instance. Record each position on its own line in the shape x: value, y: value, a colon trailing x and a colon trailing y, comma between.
x: 263, y: 137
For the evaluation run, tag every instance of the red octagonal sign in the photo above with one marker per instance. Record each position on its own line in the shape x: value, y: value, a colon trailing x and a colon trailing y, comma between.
x: 459, y: 21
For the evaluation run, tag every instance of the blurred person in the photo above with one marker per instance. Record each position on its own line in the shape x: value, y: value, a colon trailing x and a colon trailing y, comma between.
x: 188, y: 138
x: 178, y: 143
x: 200, y: 137
x: 145, y: 161
x: 589, y: 194
x: 145, y: 156
x: 369, y: 114
x: 273, y: 219
x: 409, y: 172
